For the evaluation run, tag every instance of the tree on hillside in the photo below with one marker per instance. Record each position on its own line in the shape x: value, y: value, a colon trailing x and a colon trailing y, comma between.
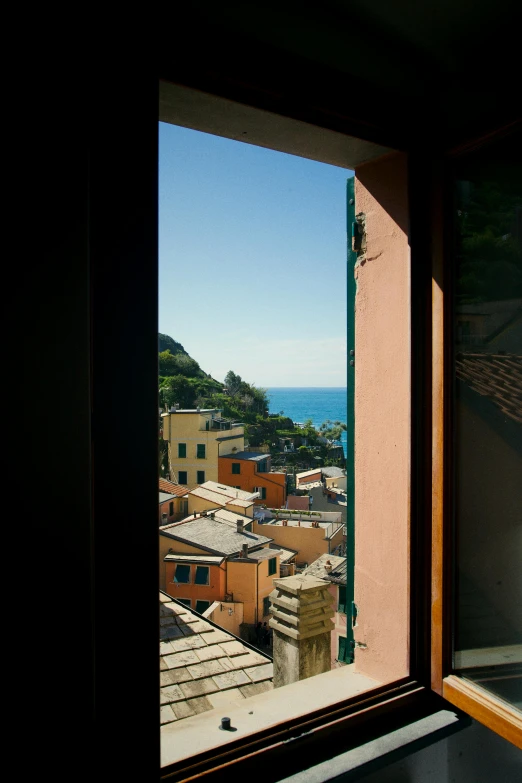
x: 181, y: 364
x: 332, y: 430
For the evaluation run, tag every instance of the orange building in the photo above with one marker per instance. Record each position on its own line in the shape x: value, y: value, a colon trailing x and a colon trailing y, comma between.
x: 252, y: 472
x: 207, y: 558
x: 172, y: 501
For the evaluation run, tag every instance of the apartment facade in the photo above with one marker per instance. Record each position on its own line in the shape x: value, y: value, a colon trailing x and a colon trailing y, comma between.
x: 196, y: 438
x: 252, y: 472
x: 208, y: 557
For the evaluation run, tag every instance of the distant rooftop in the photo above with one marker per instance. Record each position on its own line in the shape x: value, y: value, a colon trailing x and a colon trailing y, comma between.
x: 318, y: 568
x: 253, y: 456
x: 170, y: 488
x: 224, y: 492
x: 333, y: 472
x: 203, y: 667
x: 212, y: 535
x: 164, y: 497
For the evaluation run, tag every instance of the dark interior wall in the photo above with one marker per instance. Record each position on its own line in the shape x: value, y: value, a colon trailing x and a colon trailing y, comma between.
x: 86, y: 307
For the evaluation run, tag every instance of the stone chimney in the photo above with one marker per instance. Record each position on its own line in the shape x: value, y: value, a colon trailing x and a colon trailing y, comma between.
x: 301, y: 611
x: 240, y: 525
x: 244, y: 550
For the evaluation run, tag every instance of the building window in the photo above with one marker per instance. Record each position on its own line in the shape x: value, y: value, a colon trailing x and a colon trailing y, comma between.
x: 202, y: 606
x: 182, y: 574
x: 182, y: 450
x: 182, y: 477
x: 266, y: 606
x: 171, y: 508
x: 185, y: 601
x: 200, y: 477
x: 342, y: 599
x: 272, y: 566
x: 202, y: 575
x: 262, y: 492
x: 201, y: 451
x: 236, y: 468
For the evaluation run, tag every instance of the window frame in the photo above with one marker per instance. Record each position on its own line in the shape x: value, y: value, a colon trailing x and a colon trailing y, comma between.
x: 185, y: 473
x: 480, y: 704
x: 412, y: 695
x: 272, y: 569
x: 182, y: 447
x: 236, y: 468
x: 199, y: 474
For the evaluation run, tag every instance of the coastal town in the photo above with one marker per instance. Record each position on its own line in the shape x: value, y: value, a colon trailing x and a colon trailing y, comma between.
x: 252, y: 564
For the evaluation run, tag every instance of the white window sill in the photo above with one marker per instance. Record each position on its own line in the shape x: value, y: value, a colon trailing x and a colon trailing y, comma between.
x: 185, y: 738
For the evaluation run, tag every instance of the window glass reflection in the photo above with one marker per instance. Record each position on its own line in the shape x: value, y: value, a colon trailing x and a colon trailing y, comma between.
x: 488, y: 425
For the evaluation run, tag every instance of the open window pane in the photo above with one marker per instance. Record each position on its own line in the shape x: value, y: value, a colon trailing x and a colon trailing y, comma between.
x: 488, y: 425
x: 202, y: 575
x: 182, y: 574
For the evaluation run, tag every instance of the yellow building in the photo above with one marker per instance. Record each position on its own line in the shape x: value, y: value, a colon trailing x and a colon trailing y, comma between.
x: 197, y: 438
x: 310, y: 537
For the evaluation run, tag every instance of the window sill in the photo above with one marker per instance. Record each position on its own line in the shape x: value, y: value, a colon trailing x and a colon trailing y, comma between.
x: 184, y: 739
x: 387, y: 749
x: 303, y: 729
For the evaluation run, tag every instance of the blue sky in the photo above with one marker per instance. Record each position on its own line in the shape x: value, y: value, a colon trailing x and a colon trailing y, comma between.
x: 252, y: 250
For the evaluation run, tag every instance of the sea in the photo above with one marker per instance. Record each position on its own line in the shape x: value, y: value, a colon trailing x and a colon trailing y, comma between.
x: 310, y: 402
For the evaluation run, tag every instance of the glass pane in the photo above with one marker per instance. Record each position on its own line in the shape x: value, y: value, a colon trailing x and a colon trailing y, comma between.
x: 182, y: 574
x: 201, y: 575
x: 488, y: 423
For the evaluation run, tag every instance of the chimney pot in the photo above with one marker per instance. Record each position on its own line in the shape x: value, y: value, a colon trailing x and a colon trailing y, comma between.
x: 239, y: 525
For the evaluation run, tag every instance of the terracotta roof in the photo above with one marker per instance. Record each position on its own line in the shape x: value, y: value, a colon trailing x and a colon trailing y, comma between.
x: 202, y: 666
x: 496, y: 376
x: 172, y: 489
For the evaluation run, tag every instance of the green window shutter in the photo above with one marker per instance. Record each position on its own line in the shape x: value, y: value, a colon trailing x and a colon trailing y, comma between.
x: 342, y: 648
x: 182, y: 450
x: 263, y: 493
x: 342, y: 599
x: 236, y: 468
x: 182, y: 477
x: 200, y: 477
x: 266, y: 606
x: 272, y: 566
x: 200, y: 453
x: 171, y: 508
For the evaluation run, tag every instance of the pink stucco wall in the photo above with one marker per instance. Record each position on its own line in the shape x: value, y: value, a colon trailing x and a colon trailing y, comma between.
x: 382, y: 421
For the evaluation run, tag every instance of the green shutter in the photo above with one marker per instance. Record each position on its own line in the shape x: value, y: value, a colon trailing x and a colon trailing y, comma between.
x: 350, y: 417
x: 182, y: 450
x: 272, y: 566
x: 200, y: 454
x: 343, y: 646
x: 200, y: 477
